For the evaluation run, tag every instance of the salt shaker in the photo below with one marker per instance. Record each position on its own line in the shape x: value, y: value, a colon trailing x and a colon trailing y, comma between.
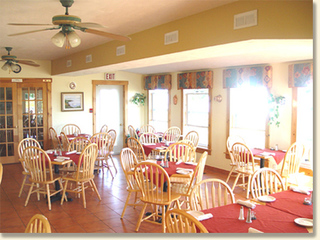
x: 276, y: 147
x: 60, y: 152
x: 241, y: 214
x: 249, y: 216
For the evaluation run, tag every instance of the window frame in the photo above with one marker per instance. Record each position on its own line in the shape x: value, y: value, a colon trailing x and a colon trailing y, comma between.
x: 200, y: 149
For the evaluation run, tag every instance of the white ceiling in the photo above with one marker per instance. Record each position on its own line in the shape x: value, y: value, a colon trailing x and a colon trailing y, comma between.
x: 126, y: 17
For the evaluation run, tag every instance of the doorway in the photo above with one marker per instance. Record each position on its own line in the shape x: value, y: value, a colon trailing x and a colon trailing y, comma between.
x: 109, y: 107
x: 24, y: 113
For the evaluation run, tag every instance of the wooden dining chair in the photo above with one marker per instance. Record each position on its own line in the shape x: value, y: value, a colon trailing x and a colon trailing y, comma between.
x: 193, y: 136
x: 104, y: 142
x: 149, y: 137
x: 104, y: 128
x: 78, y: 144
x: 232, y: 139
x: 182, y: 184
x: 147, y: 128
x: 291, y: 164
x: 135, y: 145
x: 132, y: 132
x: 265, y: 181
x: 152, y: 176
x: 41, y: 175
x: 210, y: 193
x: 113, y: 135
x: 179, y: 221
x: 180, y: 151
x: 38, y: 224
x: 84, y: 175
x: 172, y: 134
x: 245, y: 166
x: 1, y: 172
x: 128, y: 162
x: 55, y: 141
x: 64, y: 141
x: 70, y: 129
x: 23, y: 144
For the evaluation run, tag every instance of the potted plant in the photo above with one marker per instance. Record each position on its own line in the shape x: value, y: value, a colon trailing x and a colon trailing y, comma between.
x: 138, y: 99
x: 275, y: 102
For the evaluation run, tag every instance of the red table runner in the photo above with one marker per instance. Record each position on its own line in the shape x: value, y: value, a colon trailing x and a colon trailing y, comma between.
x: 269, y: 220
x: 292, y: 202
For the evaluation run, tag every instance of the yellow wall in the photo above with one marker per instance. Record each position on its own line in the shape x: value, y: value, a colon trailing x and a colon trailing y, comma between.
x: 276, y: 20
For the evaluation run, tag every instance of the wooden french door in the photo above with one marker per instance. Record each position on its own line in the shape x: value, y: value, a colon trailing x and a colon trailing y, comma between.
x: 25, y: 111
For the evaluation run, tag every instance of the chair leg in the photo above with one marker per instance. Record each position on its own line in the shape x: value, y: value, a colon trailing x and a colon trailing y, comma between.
x: 164, y: 219
x: 95, y: 189
x: 230, y: 173
x: 125, y: 205
x: 64, y: 193
x: 22, y: 185
x: 140, y: 217
x: 83, y: 196
x: 48, y: 196
x: 235, y: 181
x: 29, y: 193
x: 248, y: 186
x: 113, y: 164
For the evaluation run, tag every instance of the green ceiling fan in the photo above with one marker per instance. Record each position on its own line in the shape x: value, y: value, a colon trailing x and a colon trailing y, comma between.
x: 67, y: 24
x: 11, y: 62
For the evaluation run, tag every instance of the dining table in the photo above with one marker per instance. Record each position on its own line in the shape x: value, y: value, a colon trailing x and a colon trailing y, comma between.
x: 285, y: 214
x: 158, y: 147
x: 267, y: 154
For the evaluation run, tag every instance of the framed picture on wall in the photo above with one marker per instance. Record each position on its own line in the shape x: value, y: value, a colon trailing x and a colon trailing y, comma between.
x: 71, y: 101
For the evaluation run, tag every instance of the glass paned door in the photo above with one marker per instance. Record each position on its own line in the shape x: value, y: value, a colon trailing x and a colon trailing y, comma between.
x: 8, y: 123
x: 33, y: 112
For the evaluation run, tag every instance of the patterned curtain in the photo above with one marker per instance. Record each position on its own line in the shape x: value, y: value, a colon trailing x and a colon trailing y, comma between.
x: 300, y: 75
x: 247, y: 76
x: 193, y: 80
x: 157, y: 82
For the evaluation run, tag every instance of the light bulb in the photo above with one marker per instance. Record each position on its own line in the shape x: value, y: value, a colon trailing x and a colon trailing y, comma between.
x: 74, y: 39
x: 16, y: 68
x: 58, y: 39
x: 5, y: 66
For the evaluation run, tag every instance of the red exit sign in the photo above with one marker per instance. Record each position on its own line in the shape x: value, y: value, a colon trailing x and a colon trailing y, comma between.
x: 110, y: 76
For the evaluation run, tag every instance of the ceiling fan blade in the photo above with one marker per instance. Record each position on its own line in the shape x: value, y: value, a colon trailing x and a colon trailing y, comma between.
x: 39, y: 30
x: 27, y: 62
x: 29, y: 24
x: 88, y: 25
x: 106, y: 34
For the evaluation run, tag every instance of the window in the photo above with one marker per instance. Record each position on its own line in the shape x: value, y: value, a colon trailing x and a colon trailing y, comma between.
x: 248, y: 114
x: 305, y: 121
x: 196, y: 110
x: 158, y: 109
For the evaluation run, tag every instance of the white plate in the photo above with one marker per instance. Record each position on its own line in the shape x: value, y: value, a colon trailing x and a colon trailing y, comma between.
x: 184, y: 172
x: 78, y: 153
x: 266, y: 198
x: 306, y: 222
x: 190, y: 163
x: 59, y: 159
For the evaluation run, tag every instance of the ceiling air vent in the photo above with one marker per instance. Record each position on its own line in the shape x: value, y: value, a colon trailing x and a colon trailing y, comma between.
x: 88, y: 58
x: 171, y: 37
x: 121, y: 50
x: 69, y: 63
x: 247, y: 19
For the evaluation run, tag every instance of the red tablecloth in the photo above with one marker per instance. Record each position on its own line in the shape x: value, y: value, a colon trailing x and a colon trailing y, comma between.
x: 269, y: 220
x: 74, y: 157
x: 278, y: 157
x: 148, y: 148
x: 292, y: 202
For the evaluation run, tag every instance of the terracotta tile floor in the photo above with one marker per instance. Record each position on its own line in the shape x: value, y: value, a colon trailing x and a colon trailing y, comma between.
x: 99, y: 216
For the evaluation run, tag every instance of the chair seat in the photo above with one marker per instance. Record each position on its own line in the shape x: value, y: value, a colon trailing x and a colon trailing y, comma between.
x: 163, y: 199
x: 245, y: 170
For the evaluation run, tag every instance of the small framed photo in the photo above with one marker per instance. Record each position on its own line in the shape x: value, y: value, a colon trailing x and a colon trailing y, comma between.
x: 71, y: 101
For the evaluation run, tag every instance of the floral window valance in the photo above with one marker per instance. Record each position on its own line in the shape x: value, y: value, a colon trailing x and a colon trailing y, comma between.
x: 157, y: 82
x: 193, y: 80
x: 247, y: 76
x: 300, y: 75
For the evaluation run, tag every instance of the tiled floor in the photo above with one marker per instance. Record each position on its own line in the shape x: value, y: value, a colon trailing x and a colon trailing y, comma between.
x: 99, y: 216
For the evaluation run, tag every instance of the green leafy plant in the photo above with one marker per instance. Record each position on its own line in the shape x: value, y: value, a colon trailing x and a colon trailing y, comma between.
x: 139, y: 99
x: 274, y: 103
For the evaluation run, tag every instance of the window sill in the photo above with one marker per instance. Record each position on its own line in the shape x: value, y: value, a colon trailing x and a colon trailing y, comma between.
x: 203, y: 149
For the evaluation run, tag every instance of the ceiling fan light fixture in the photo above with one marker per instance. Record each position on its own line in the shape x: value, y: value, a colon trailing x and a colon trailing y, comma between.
x: 16, y: 68
x: 73, y: 39
x: 5, y: 66
x: 58, y: 39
